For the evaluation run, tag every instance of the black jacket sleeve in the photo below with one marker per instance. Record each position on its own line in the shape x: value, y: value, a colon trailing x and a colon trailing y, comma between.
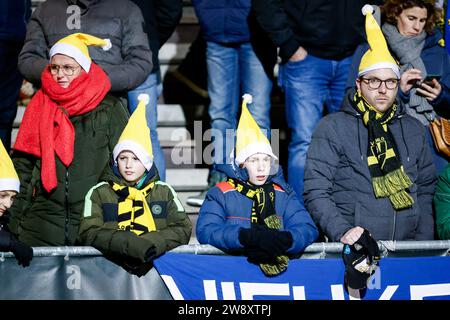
x: 273, y: 20
x: 168, y: 15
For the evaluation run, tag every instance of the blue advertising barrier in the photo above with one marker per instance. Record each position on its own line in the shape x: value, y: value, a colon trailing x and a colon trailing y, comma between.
x: 214, y: 277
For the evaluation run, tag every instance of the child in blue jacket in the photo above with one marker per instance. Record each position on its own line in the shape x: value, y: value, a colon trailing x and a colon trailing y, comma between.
x: 255, y: 212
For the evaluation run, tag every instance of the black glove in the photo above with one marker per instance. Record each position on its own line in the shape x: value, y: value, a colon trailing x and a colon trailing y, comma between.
x: 369, y: 246
x: 361, y: 260
x: 258, y: 256
x: 135, y: 266
x: 272, y: 241
x: 5, y: 241
x: 22, y: 252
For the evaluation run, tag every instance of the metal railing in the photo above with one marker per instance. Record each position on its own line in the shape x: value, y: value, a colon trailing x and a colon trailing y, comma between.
x: 316, y: 250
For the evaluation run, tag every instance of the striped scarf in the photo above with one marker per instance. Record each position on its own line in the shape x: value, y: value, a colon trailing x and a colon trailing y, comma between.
x: 134, y: 213
x: 388, y: 176
x: 263, y: 212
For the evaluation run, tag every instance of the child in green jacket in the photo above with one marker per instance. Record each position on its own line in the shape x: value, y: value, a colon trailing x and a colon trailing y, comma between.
x: 132, y: 217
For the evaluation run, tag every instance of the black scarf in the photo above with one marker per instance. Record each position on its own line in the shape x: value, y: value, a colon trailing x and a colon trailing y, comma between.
x: 388, y: 176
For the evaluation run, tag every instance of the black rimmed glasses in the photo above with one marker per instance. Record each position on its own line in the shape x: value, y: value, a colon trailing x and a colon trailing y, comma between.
x: 375, y: 83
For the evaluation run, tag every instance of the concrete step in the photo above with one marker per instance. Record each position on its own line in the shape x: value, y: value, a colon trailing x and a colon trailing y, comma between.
x: 179, y: 155
x: 193, y: 218
x: 173, y: 53
x: 169, y: 115
x: 183, y: 195
x: 187, y: 179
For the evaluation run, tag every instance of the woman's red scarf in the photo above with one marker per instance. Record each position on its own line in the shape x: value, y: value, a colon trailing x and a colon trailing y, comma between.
x: 46, y: 128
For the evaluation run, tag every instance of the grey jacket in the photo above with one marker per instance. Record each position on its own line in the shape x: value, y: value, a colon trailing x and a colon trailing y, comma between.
x: 338, y: 189
x: 129, y: 61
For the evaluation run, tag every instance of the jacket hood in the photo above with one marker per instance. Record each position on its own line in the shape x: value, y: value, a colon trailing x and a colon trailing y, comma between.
x: 235, y: 172
x: 111, y: 173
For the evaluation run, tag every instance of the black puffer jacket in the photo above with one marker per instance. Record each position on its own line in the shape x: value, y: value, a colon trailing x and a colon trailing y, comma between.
x: 338, y: 188
x: 129, y: 61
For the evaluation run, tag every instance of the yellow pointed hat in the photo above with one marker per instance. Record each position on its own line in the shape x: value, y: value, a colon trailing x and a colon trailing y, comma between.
x: 9, y: 180
x: 249, y: 137
x: 75, y: 46
x: 378, y: 55
x: 136, y: 135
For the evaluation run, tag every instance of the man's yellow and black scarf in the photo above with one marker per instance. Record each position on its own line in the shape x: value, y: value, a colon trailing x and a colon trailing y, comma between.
x: 388, y: 176
x: 134, y: 213
x: 263, y: 212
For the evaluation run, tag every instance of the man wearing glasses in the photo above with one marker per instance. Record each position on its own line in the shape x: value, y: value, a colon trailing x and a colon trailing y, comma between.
x: 369, y: 166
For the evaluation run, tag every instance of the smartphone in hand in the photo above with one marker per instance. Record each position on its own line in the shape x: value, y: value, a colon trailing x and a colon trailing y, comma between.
x: 429, y: 79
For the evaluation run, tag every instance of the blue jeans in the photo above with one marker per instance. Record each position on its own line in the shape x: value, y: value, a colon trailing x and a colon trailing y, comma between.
x: 153, y: 87
x: 10, y: 83
x: 308, y: 85
x: 233, y: 71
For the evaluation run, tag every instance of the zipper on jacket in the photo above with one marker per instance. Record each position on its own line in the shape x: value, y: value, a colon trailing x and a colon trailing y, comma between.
x: 67, y: 217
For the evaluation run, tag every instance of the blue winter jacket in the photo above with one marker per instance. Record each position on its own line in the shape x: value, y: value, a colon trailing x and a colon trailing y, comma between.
x: 225, y: 211
x: 14, y: 15
x: 223, y: 21
x: 436, y: 61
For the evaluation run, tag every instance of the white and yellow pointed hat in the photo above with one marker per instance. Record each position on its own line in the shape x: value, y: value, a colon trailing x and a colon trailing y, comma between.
x: 76, y: 47
x: 249, y: 137
x: 9, y: 180
x: 378, y: 55
x: 136, y: 135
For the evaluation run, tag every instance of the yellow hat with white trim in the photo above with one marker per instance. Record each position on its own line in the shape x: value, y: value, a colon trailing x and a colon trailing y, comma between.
x: 249, y: 137
x: 136, y: 135
x: 378, y: 55
x: 9, y: 180
x: 76, y: 47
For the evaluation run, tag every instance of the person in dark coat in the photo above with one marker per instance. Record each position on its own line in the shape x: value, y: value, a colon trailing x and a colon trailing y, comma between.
x: 131, y: 216
x: 255, y: 212
x: 369, y: 165
x: 9, y: 187
x: 64, y: 142
x: 417, y: 43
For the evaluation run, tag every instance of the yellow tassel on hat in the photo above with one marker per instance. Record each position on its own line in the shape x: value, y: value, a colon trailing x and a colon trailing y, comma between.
x: 249, y: 137
x: 75, y: 46
x: 136, y: 135
x: 9, y: 180
x: 378, y: 55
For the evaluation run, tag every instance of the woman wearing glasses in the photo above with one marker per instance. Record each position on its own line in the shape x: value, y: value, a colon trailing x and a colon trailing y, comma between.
x: 414, y: 41
x: 64, y: 143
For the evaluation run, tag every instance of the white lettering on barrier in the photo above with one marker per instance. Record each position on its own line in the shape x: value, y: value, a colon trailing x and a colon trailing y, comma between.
x: 251, y: 289
x: 174, y: 291
x: 74, y: 280
x: 418, y: 292
x: 228, y: 291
